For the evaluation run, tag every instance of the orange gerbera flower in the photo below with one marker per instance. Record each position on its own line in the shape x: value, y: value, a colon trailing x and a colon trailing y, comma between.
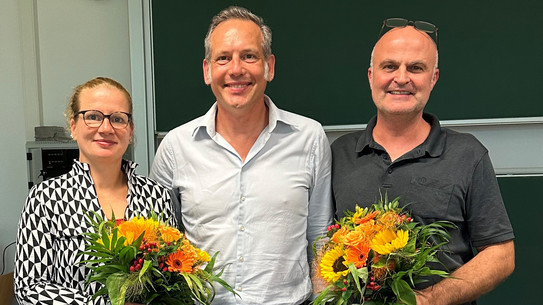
x: 169, y: 234
x: 180, y: 262
x: 357, y: 255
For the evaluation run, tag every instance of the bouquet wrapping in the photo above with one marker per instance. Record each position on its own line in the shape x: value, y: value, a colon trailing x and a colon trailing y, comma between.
x: 144, y: 260
x: 376, y: 256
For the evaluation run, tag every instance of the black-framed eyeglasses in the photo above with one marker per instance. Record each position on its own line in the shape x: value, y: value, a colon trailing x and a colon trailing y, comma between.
x: 95, y: 118
x: 401, y: 22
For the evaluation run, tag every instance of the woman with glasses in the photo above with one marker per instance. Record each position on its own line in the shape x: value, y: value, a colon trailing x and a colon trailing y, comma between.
x: 48, y: 268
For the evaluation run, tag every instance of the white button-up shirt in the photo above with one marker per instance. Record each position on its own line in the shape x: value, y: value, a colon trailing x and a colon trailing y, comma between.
x: 261, y: 214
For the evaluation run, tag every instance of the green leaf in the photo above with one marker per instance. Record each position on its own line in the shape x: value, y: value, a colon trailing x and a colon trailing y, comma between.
x: 324, y: 296
x: 144, y: 268
x: 127, y: 254
x: 138, y: 240
x: 363, y: 274
x: 382, y: 262
x: 211, y: 264
x: 354, y: 272
x: 113, y: 241
x: 411, y: 245
x: 195, y: 292
x: 120, y: 245
x: 116, y: 285
x: 402, y: 290
x: 197, y: 282
x: 105, y: 239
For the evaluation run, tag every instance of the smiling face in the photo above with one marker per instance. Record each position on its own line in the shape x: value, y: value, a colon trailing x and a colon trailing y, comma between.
x: 403, y: 71
x: 237, y: 70
x: 104, y: 143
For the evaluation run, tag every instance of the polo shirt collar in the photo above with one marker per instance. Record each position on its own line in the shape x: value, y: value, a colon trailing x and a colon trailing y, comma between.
x: 433, y: 145
x: 366, y: 138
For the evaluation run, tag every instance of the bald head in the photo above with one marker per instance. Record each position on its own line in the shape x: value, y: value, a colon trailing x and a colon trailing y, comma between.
x: 407, y: 34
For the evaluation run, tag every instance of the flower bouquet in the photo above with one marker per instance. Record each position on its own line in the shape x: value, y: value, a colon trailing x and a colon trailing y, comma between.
x: 376, y: 256
x: 146, y: 261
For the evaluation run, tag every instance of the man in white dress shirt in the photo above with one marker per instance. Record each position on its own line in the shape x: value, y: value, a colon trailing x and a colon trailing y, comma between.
x: 253, y: 181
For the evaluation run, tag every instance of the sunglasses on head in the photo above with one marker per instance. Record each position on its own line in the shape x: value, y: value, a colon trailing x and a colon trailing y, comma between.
x: 417, y: 24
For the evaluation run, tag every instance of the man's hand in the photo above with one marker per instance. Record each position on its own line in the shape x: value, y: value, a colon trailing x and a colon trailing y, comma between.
x: 480, y: 275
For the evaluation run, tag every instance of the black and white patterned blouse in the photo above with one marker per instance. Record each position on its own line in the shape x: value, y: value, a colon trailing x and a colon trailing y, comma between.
x: 49, y: 237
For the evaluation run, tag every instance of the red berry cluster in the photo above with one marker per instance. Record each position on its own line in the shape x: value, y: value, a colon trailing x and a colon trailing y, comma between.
x: 405, y: 218
x: 331, y: 227
x: 146, y: 249
x: 372, y: 285
x: 162, y: 264
x: 136, y: 264
x: 149, y: 247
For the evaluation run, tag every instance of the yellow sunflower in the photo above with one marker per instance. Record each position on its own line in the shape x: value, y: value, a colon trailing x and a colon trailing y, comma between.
x: 332, y: 267
x: 388, y: 241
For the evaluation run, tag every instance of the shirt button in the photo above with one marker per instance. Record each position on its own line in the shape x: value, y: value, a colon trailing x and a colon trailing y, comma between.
x: 389, y: 171
x: 242, y: 228
x: 241, y: 259
x: 238, y: 288
x: 242, y: 198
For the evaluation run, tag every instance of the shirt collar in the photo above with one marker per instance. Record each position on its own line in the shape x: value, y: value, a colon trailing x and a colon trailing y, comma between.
x: 207, y: 121
x: 127, y: 166
x: 433, y: 145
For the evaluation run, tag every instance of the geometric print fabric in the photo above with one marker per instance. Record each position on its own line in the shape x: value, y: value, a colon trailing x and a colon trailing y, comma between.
x: 49, y: 236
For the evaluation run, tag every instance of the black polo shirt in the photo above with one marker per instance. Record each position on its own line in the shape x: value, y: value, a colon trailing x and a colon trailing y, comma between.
x: 448, y: 177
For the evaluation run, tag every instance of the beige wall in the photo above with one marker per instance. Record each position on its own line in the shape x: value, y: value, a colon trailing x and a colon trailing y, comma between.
x: 12, y: 128
x: 47, y: 47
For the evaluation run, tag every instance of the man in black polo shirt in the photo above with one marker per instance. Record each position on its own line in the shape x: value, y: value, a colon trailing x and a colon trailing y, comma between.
x: 444, y: 175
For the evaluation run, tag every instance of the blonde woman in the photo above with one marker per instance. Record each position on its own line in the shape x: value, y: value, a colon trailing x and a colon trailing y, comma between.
x: 47, y: 265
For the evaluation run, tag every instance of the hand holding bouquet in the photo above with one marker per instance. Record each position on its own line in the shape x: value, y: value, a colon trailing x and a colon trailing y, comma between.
x: 376, y: 256
x: 146, y: 261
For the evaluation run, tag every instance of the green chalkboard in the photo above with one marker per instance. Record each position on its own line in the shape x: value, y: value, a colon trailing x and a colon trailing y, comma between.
x: 491, y: 56
x: 523, y: 203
